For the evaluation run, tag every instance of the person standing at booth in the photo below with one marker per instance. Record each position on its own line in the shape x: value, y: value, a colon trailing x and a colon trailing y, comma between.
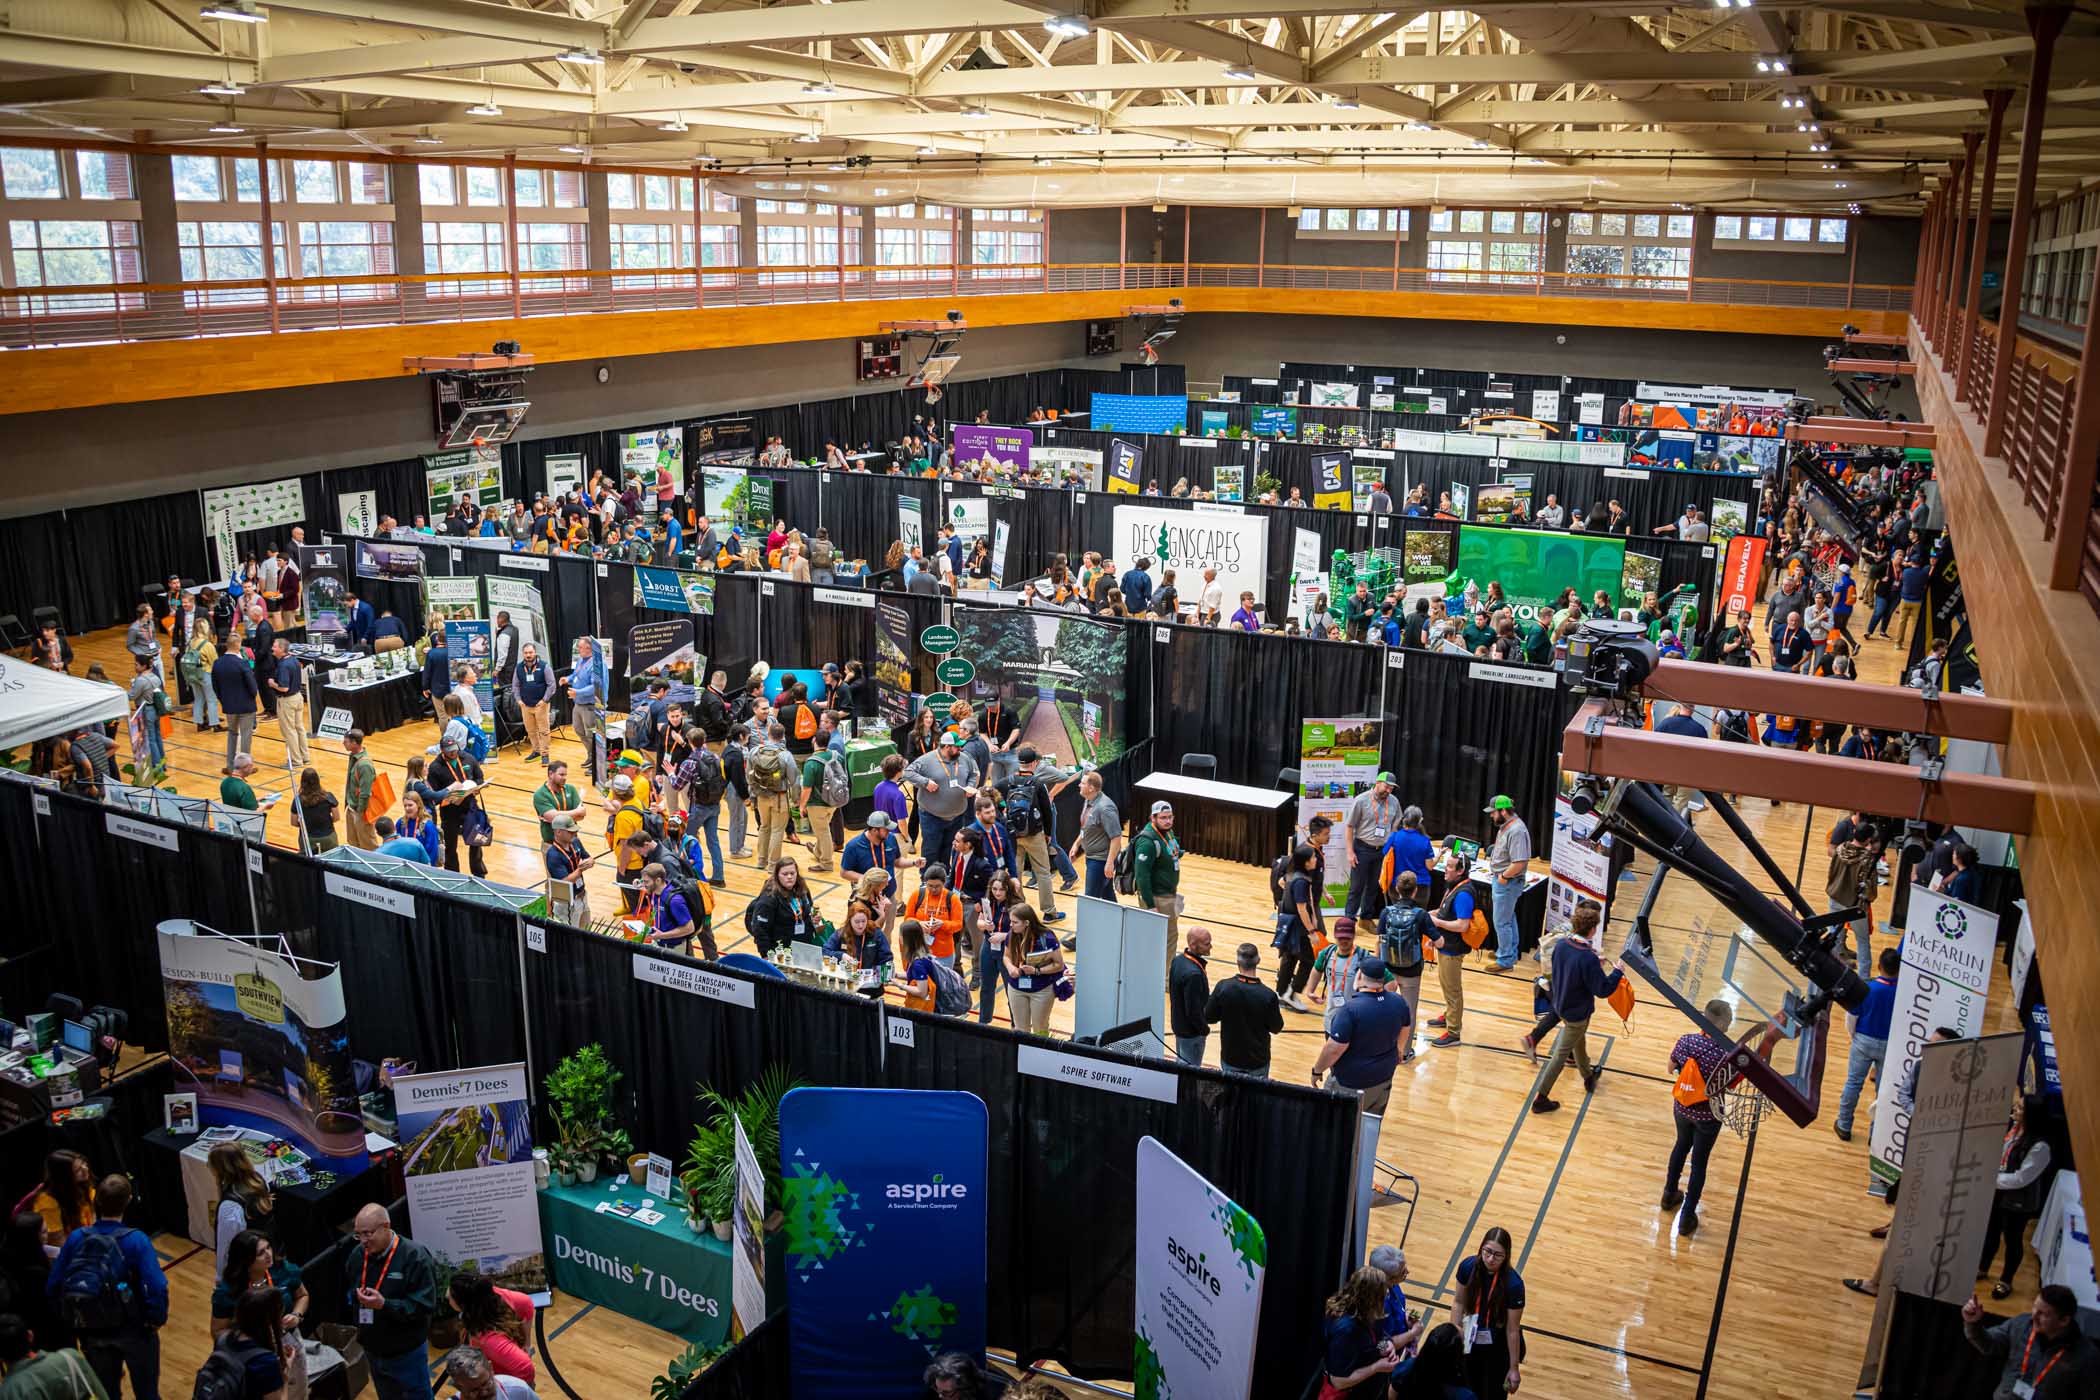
x: 945, y: 780
x: 1155, y: 859
x: 1509, y: 861
x: 357, y: 791
x: 108, y: 1280
x: 288, y: 686
x: 392, y: 1294
x: 532, y: 680
x: 1100, y: 836
x: 1373, y: 816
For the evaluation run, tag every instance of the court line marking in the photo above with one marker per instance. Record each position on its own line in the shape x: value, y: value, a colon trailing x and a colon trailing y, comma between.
x: 1566, y: 1150
x: 1735, y: 1223
x: 581, y: 1313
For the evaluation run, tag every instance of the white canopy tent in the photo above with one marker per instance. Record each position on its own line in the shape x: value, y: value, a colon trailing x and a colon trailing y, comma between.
x: 36, y: 703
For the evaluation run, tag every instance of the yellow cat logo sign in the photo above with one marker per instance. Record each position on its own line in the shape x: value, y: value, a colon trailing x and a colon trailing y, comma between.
x: 258, y: 998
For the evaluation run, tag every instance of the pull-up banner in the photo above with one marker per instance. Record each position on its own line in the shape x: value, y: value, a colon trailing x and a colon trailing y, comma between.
x: 1949, y: 954
x: 1200, y: 1261
x: 1126, y: 463
x: 884, y: 1193
x: 466, y: 1145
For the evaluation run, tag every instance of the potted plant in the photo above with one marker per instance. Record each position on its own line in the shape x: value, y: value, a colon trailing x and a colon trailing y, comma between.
x: 683, y: 1369
x: 563, y: 1164
x: 709, y: 1175
x: 580, y: 1096
x: 617, y: 1148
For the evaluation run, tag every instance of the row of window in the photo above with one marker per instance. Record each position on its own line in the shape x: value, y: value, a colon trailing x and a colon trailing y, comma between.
x: 1585, y: 225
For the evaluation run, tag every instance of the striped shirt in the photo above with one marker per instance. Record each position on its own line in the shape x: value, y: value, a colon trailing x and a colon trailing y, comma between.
x: 1709, y: 1053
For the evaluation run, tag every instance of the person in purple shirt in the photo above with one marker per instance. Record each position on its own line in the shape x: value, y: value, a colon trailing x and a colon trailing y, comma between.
x: 1246, y: 618
x: 1697, y: 1126
x: 889, y: 795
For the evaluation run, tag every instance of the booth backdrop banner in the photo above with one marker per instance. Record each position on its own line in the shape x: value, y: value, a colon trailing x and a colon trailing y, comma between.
x: 727, y: 442
x: 1534, y: 566
x: 663, y: 649
x: 1126, y: 463
x: 1138, y: 413
x: 1200, y: 1262
x: 466, y: 1149
x: 2064, y: 1241
x: 1330, y: 480
x: 388, y: 560
x: 885, y: 1193
x: 1337, y: 759
x: 1272, y: 422
x: 672, y: 590
x: 1064, y: 677
x: 522, y: 601
x: 725, y: 493
x: 564, y: 472
x: 1002, y: 451
x: 1080, y: 464
x: 1580, y: 865
x: 450, y: 600
x: 1739, y: 572
x: 1334, y: 395
x: 657, y: 456
x: 474, y: 639
x: 1948, y: 957
x: 747, y: 1261
x: 321, y: 589
x: 230, y: 510
x: 971, y: 516
x: 357, y: 512
x: 1189, y: 542
x: 262, y: 1043
x: 911, y: 523
x: 470, y: 474
x: 893, y: 668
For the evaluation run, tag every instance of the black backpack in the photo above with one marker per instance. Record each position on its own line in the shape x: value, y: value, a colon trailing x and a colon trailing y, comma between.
x: 1020, y: 816
x: 224, y: 1374
x: 709, y: 782
x: 95, y: 1294
x: 652, y: 822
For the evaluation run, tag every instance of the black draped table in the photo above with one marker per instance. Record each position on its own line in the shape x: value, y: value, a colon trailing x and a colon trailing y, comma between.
x: 383, y: 704
x: 1226, y: 820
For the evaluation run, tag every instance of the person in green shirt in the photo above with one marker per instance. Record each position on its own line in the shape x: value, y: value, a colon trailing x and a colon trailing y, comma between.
x: 1155, y: 863
x: 556, y: 797
x: 1480, y: 632
x: 42, y: 1375
x: 813, y: 806
x: 357, y: 792
x: 234, y: 790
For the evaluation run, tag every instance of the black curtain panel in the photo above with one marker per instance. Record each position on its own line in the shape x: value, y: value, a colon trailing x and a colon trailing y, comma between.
x: 1456, y: 735
x: 399, y: 488
x: 37, y: 926
x: 1239, y: 696
x: 39, y: 569
x: 756, y: 1368
x: 478, y: 948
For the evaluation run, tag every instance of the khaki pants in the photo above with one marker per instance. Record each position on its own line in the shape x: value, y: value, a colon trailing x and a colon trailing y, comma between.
x: 1573, y: 1040
x: 1451, y: 978
x: 772, y: 825
x: 1031, y: 1010
x: 1035, y: 852
x: 820, y: 832
x: 536, y: 727
x: 291, y: 723
x: 361, y: 834
x: 1170, y: 905
x: 1906, y: 614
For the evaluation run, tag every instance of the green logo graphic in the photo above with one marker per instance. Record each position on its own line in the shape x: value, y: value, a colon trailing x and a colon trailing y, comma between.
x: 1150, y: 1380
x: 1952, y: 922
x: 815, y: 1206
x: 922, y: 1316
x: 1163, y: 543
x: 1249, y: 1245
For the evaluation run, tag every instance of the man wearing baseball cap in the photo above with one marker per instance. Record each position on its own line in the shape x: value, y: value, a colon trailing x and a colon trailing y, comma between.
x: 874, y: 849
x: 1509, y: 860
x: 1155, y: 863
x: 1363, y: 1039
x: 625, y: 807
x: 1372, y: 817
x: 945, y: 781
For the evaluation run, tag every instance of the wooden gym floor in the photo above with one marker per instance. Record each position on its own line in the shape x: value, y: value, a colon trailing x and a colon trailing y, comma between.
x: 1621, y: 1305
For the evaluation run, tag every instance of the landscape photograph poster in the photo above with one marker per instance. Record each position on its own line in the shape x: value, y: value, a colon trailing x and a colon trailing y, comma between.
x: 1731, y: 518
x: 1001, y: 451
x: 527, y: 613
x: 657, y: 457
x: 1365, y: 478
x: 725, y: 493
x: 894, y: 681
x: 1337, y: 759
x: 1230, y: 479
x: 663, y: 649
x: 451, y: 600
x: 885, y: 1194
x: 466, y: 1153
x: 1199, y: 1268
x: 262, y: 1039
x: 1047, y: 667
x: 470, y: 474
x: 388, y: 560
x: 473, y: 640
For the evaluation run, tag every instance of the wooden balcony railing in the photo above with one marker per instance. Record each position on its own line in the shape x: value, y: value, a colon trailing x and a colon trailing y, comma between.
x: 74, y: 315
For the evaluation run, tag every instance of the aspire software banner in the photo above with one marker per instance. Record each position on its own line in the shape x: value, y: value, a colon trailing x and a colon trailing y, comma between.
x: 261, y: 1040
x: 466, y: 1150
x: 884, y: 1193
x: 1200, y: 1261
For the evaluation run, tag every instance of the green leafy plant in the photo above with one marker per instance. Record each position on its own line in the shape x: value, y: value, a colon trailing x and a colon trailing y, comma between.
x: 684, y: 1367
x: 616, y: 1146
x: 580, y: 1096
x: 146, y: 774
x: 1265, y: 481
x: 709, y: 1174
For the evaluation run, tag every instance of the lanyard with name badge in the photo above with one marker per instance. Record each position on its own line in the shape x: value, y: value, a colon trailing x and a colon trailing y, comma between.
x: 2023, y: 1389
x: 364, y: 1315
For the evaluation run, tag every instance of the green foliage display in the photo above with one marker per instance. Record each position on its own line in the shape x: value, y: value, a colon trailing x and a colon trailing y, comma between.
x: 684, y: 1368
x: 580, y: 1096
x: 709, y: 1174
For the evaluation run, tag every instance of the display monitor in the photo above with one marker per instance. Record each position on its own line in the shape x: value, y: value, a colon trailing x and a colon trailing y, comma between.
x: 79, y: 1038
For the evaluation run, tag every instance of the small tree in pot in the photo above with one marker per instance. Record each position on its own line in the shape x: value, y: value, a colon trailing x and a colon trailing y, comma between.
x: 580, y: 1096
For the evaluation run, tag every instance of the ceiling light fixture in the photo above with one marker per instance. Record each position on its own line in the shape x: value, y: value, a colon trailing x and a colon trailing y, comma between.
x: 426, y: 139
x: 676, y: 124
x: 574, y: 150
x: 1240, y: 73
x: 229, y: 88
x: 975, y: 112
x: 1346, y: 104
x: 1090, y: 129
x: 1068, y: 26
x: 485, y: 109
x: 820, y: 88
x: 583, y: 55
x: 1779, y: 65
x: 227, y: 129
x: 807, y: 138
x: 234, y: 12
x: 927, y: 151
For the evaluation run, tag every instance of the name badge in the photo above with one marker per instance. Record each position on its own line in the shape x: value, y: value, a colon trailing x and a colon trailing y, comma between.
x: 1482, y: 1335
x: 2023, y: 1390
x: 364, y: 1317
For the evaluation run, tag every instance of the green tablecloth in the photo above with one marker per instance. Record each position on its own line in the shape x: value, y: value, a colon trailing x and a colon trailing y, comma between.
x: 864, y: 758
x: 661, y: 1274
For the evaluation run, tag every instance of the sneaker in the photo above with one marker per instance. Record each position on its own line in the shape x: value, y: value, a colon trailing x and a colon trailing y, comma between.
x: 1068, y: 886
x: 1589, y: 1081
x: 1844, y: 1133
x: 1435, y: 1022
x: 1448, y: 1038
x: 1054, y: 918
x: 1409, y: 1056
x: 1688, y: 1223
x: 1542, y: 1104
x: 1070, y: 945
x: 1672, y: 1199
x: 1531, y: 1047
x: 719, y: 883
x: 1859, y: 1285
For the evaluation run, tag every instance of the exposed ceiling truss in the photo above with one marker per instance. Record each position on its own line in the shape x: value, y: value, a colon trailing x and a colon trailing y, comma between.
x: 1232, y: 101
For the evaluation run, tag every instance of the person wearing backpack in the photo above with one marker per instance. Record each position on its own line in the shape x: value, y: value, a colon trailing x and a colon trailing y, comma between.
x: 711, y: 712
x: 736, y: 769
x: 679, y: 910
x: 825, y: 790
x: 771, y: 774
x: 823, y: 557
x: 107, y: 1282
x: 937, y: 910
x: 1402, y: 925
x: 784, y: 911
x: 798, y: 719
x: 61, y: 1373
x: 702, y: 779
x: 1031, y: 818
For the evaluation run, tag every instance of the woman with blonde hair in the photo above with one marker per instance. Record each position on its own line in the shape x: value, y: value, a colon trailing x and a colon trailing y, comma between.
x: 245, y: 1202
x: 873, y: 890
x: 196, y: 663
x: 1358, y: 1358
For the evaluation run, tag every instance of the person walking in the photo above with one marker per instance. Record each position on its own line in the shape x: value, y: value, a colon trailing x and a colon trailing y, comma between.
x: 1696, y: 1057
x: 1300, y: 922
x: 107, y: 1282
x: 1402, y: 927
x: 289, y: 691
x: 1373, y: 817
x: 1853, y: 880
x: 772, y: 775
x: 532, y: 681
x: 586, y: 688
x: 1100, y: 836
x: 147, y: 700
x: 1579, y: 978
x: 1408, y: 848
x: 357, y: 791
x: 1910, y: 597
x: 233, y: 682
x: 1509, y: 861
x: 1188, y: 997
x: 452, y: 769
x: 1032, y: 963
x: 1155, y: 859
x: 1247, y: 1014
x: 1363, y: 1040
x: 392, y: 1292
x: 1031, y: 817
x: 1452, y: 919
x: 1870, y: 1041
x: 944, y: 783
x: 825, y: 789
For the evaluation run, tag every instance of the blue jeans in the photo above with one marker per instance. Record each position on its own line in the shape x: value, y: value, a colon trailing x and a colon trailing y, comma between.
x: 1189, y: 1048
x: 155, y: 753
x: 935, y: 833
x: 204, y: 706
x: 1879, y: 618
x: 1867, y: 1054
x: 136, y: 1349
x: 708, y: 819
x: 403, y: 1377
x: 739, y: 821
x: 1506, y: 893
x: 1098, y: 885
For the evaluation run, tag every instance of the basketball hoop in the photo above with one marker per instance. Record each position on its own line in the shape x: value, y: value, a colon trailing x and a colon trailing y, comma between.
x: 1732, y: 1095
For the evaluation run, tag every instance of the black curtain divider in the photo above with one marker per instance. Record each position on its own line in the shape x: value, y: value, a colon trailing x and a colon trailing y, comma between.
x: 795, y: 493
x: 1455, y: 739
x: 756, y: 1368
x: 1240, y: 696
x: 90, y: 563
x: 860, y: 511
x: 399, y: 488
x: 109, y: 952
x: 39, y: 922
x: 525, y: 463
